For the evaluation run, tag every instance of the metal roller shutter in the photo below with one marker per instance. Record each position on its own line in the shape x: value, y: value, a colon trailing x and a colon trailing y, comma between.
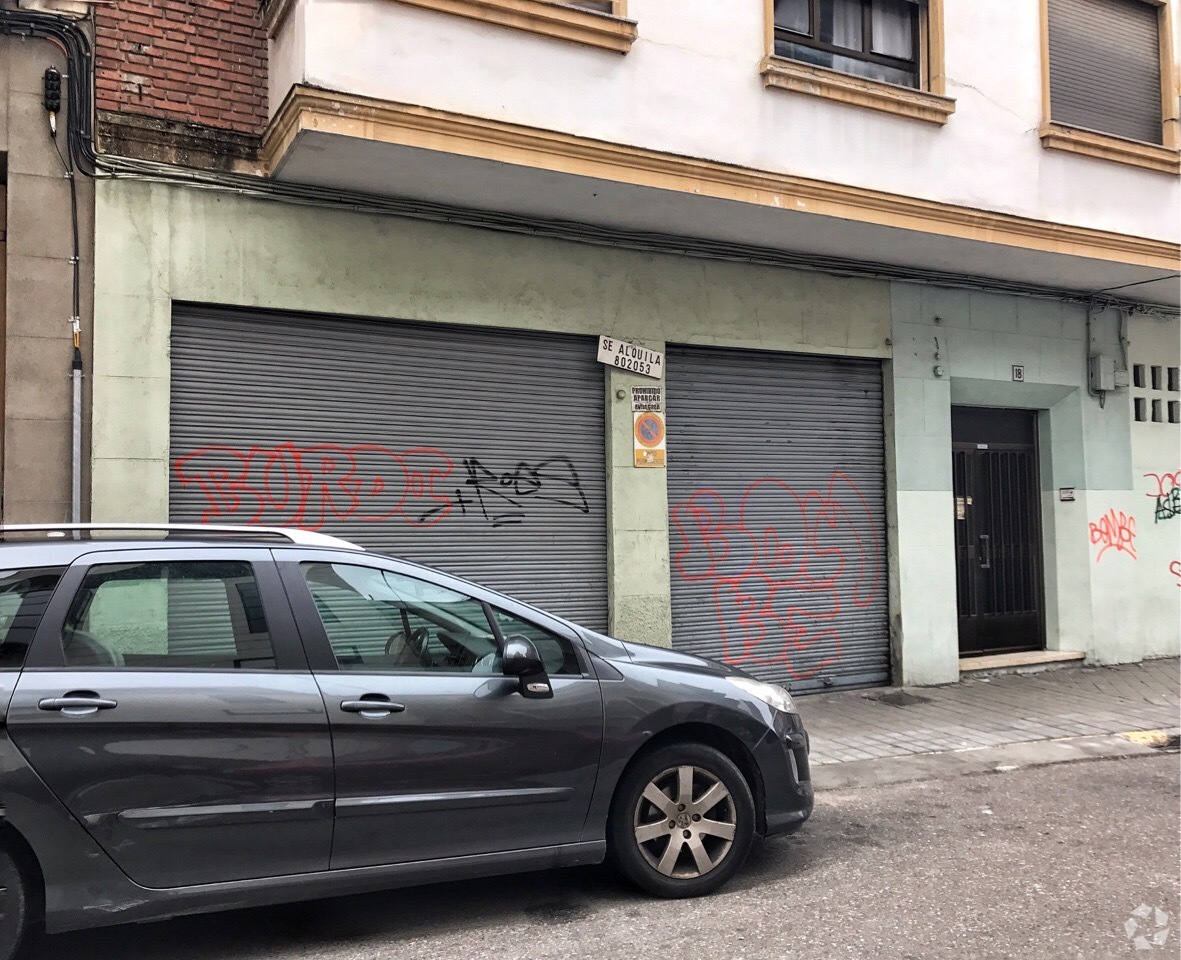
x: 776, y: 484
x: 1105, y: 67
x: 480, y: 452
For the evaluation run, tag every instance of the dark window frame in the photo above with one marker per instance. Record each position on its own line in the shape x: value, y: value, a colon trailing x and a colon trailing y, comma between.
x: 83, y: 593
x: 812, y: 41
x: 16, y: 636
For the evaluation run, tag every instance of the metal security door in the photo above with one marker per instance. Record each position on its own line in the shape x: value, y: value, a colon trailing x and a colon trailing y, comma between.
x: 997, y: 531
x: 776, y: 480
x: 477, y: 451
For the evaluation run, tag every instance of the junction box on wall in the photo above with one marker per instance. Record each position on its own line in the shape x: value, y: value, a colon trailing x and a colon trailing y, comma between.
x: 1102, y: 375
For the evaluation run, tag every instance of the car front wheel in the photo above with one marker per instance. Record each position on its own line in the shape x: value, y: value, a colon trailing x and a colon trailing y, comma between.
x: 682, y: 821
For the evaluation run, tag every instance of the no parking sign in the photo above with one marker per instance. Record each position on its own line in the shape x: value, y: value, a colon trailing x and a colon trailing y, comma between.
x: 648, y: 430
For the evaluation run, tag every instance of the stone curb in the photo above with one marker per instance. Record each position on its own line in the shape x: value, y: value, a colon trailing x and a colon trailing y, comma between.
x: 856, y: 774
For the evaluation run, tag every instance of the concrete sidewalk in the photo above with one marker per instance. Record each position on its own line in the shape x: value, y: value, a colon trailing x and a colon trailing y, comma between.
x: 991, y: 711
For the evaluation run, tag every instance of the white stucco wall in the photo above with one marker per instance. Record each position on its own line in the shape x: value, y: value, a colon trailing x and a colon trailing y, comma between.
x: 690, y: 85
x: 1154, y: 578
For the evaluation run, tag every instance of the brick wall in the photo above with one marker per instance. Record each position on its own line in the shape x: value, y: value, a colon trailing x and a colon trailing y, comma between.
x: 203, y: 61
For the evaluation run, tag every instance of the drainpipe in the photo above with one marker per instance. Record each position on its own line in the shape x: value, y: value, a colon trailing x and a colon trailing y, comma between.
x: 76, y: 438
x: 76, y: 361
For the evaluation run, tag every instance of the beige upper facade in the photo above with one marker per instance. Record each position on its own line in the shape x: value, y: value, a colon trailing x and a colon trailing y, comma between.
x: 687, y: 119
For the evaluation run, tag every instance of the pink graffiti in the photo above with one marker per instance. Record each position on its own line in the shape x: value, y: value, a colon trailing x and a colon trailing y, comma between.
x: 1115, y: 530
x: 1166, y: 483
x: 776, y: 595
x: 1167, y: 495
x: 1175, y: 570
x: 312, y: 486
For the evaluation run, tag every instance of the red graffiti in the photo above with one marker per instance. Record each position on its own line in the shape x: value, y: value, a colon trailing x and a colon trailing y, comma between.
x: 776, y: 594
x: 1166, y: 483
x: 1175, y: 570
x: 1167, y: 495
x: 311, y: 486
x: 1115, y: 530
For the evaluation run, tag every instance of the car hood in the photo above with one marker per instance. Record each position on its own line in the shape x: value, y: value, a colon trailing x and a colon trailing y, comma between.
x: 642, y: 653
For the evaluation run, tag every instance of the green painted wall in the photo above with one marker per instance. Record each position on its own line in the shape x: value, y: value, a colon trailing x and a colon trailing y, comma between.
x: 163, y: 244
x: 1093, y: 605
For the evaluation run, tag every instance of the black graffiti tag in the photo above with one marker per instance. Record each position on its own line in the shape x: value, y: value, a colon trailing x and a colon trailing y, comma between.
x: 1168, y: 505
x: 503, y: 497
x: 1167, y: 495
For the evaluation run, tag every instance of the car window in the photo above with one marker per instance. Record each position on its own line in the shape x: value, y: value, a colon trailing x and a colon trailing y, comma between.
x: 556, y: 652
x: 175, y: 614
x: 24, y: 594
x: 377, y: 620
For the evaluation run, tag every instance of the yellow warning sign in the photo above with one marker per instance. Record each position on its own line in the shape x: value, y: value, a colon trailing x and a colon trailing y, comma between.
x: 648, y: 430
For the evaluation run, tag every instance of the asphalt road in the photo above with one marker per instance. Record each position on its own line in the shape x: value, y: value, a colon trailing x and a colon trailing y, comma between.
x: 1035, y: 863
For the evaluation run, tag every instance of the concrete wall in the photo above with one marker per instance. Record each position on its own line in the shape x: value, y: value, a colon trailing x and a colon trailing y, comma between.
x: 1104, y: 606
x: 690, y: 85
x: 1156, y: 498
x: 164, y: 243
x: 36, y: 290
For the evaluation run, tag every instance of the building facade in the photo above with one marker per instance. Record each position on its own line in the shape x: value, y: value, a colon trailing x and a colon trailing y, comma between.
x: 892, y: 287
x: 46, y: 286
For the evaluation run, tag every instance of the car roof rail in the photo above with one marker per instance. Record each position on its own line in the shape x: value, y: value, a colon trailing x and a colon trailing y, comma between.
x: 296, y: 535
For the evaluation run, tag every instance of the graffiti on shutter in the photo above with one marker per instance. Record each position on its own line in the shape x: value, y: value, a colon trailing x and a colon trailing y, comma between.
x: 776, y: 595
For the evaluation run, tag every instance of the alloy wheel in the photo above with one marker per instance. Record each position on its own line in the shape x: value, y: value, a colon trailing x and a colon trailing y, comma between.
x: 684, y: 822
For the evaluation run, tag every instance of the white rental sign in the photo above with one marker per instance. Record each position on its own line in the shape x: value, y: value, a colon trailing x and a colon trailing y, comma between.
x: 627, y: 356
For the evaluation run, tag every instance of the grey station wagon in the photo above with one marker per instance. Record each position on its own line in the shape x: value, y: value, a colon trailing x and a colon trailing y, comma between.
x: 199, y: 718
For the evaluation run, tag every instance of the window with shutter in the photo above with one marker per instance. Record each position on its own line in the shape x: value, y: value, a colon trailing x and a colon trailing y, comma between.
x: 1109, y: 81
x: 1105, y: 67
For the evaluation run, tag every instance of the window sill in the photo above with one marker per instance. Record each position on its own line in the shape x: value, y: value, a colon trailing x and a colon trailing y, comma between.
x: 822, y: 82
x: 548, y: 19
x: 1105, y: 146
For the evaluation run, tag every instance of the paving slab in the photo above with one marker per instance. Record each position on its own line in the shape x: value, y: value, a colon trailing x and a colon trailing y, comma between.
x: 995, y: 710
x: 1000, y: 759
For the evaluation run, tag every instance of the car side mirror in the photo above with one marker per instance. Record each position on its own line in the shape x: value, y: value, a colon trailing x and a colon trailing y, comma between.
x: 521, y: 660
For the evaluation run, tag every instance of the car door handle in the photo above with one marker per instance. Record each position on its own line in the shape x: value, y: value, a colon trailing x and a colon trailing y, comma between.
x: 371, y: 706
x: 77, y: 705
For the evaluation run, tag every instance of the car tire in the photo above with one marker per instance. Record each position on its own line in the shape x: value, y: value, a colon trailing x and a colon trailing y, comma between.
x: 14, y: 905
x: 682, y: 821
